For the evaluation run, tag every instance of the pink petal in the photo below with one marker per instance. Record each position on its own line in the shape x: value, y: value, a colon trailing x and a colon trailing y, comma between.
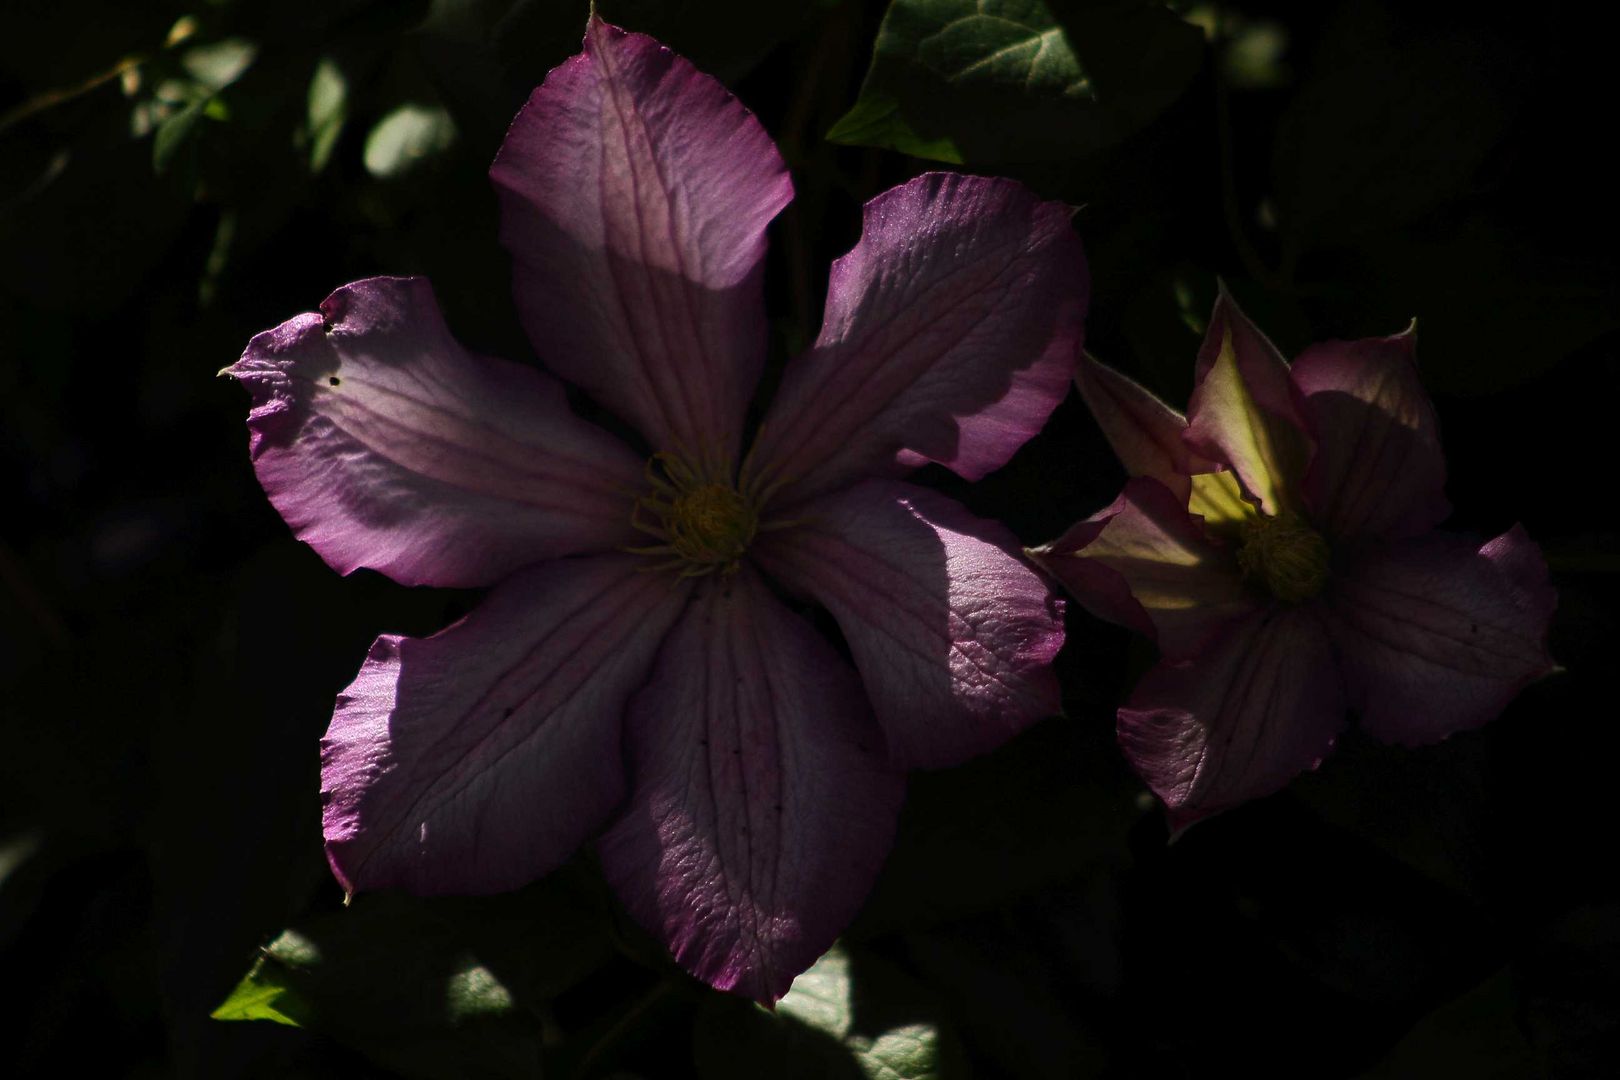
x: 1146, y: 564
x: 951, y: 332
x: 635, y: 191
x: 384, y: 444
x: 1146, y: 434
x: 1263, y: 704
x: 953, y: 633
x: 1378, y: 469
x: 761, y: 805
x: 1245, y: 412
x: 480, y: 758
x: 1437, y: 637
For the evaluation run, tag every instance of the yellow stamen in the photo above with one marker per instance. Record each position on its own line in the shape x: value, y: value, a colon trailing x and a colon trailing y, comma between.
x: 711, y: 523
x: 699, y: 516
x: 1285, y: 556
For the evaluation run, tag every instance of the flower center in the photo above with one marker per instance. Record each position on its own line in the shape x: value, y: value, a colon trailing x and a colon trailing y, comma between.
x: 702, y: 522
x: 711, y: 523
x: 1285, y: 555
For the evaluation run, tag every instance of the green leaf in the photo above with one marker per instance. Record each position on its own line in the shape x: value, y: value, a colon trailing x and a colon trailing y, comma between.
x: 1018, y: 80
x: 406, y: 137
x: 852, y: 1016
x: 876, y: 120
x: 263, y: 995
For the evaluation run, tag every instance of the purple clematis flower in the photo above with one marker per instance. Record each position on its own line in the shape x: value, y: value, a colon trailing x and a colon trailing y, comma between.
x: 1278, y: 543
x: 633, y: 666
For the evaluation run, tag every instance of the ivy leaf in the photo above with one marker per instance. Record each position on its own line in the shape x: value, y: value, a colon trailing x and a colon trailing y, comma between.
x: 263, y: 993
x: 1018, y: 80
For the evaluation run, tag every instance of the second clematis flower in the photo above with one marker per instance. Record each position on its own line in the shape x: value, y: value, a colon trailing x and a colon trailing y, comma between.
x: 634, y: 673
x: 1278, y: 544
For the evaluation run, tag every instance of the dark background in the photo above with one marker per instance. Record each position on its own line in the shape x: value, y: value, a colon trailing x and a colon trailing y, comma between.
x: 170, y: 653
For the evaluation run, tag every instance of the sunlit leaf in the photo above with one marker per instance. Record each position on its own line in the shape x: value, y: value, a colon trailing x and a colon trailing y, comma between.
x: 219, y: 63
x: 327, y: 110
x: 852, y: 1016
x: 406, y: 137
x: 263, y: 995
x: 823, y: 998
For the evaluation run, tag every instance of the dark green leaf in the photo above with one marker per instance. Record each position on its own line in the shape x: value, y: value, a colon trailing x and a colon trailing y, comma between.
x: 725, y: 38
x: 89, y: 230
x: 1373, y: 143
x: 1492, y: 311
x: 1569, y: 988
x: 1018, y: 80
x: 1477, y: 1035
x: 174, y: 132
x: 1049, y: 805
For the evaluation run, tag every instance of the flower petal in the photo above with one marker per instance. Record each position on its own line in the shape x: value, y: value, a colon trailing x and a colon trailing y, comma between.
x: 384, y: 444
x: 480, y: 758
x: 951, y: 332
x: 761, y: 805
x: 635, y: 191
x: 953, y: 633
x: 1144, y: 563
x: 1378, y: 468
x: 1145, y: 433
x: 1245, y: 412
x: 1437, y: 636
x: 1263, y: 704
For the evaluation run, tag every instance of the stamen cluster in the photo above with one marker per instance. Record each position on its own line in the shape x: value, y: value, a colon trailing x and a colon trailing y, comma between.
x: 1285, y: 556
x: 702, y: 522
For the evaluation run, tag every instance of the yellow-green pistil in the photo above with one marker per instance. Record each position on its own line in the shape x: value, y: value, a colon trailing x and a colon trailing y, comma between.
x: 1285, y: 556
x: 702, y: 522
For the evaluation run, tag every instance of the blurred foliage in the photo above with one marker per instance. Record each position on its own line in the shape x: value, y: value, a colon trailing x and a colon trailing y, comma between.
x: 176, y: 175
